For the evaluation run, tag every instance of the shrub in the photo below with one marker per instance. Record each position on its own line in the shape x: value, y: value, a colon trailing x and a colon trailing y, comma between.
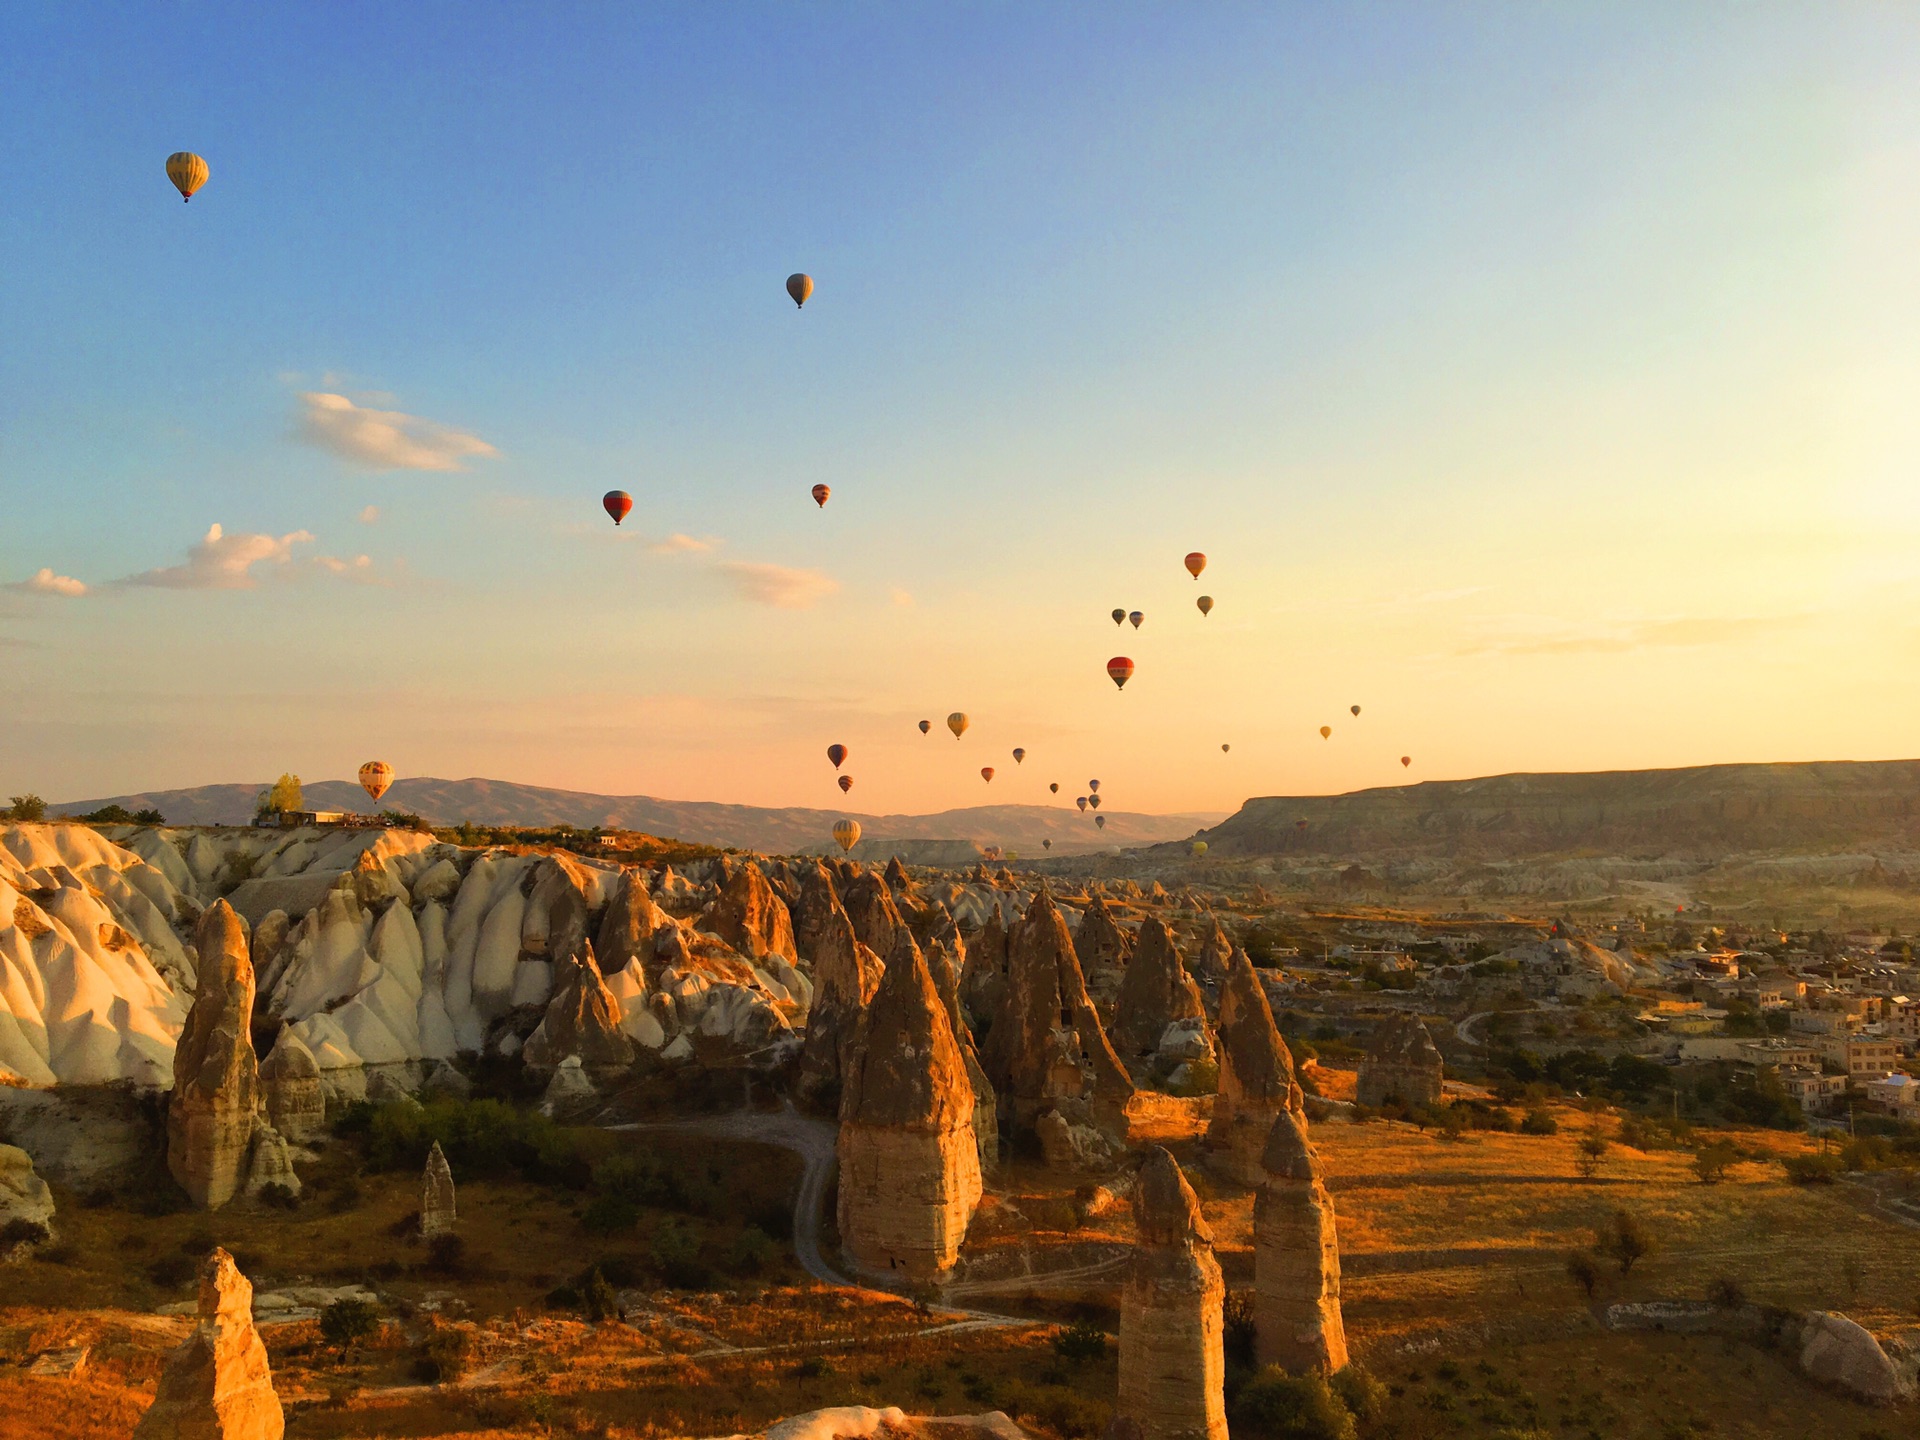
x: 1062, y: 1409
x: 1363, y: 1395
x: 1711, y: 1160
x: 149, y: 816
x: 442, y: 1356
x: 751, y: 1252
x: 1592, y: 1150
x: 814, y: 1367
x: 1277, y: 1406
x: 1584, y: 1271
x: 345, y: 1321
x: 29, y: 807
x: 1623, y: 1239
x: 1539, y: 1121
x: 1080, y: 1343
x: 597, y: 1300
x: 1812, y: 1169
x: 22, y: 1231
x: 446, y: 1255
x: 610, y: 1215
x: 1238, y: 1324
x: 281, y: 1197
x: 170, y: 1272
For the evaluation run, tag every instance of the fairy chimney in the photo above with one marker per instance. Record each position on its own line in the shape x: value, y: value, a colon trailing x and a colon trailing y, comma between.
x: 1296, y: 1257
x: 437, y: 1210
x: 909, y: 1163
x: 750, y: 917
x: 1216, y: 951
x: 216, y: 1077
x: 1101, y: 942
x: 845, y: 976
x: 876, y: 920
x: 1172, y: 1364
x: 628, y: 927
x: 582, y: 1016
x: 1256, y: 1076
x: 1402, y: 1066
x: 1156, y: 992
x: 290, y: 1086
x: 217, y: 1385
x: 986, y: 1122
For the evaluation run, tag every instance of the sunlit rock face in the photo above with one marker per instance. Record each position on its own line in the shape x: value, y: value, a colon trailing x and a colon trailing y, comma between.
x: 217, y: 1385
x: 216, y: 1077
x: 1172, y: 1361
x: 1156, y: 992
x: 909, y: 1161
x: 1256, y: 1077
x: 1402, y: 1066
x: 845, y: 976
x: 1296, y: 1257
x: 437, y: 1208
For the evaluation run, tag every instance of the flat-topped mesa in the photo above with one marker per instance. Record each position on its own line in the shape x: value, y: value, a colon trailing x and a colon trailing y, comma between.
x: 1156, y: 991
x: 1296, y: 1257
x: 582, y: 1019
x: 909, y: 1162
x: 1172, y: 1360
x: 1046, y: 1048
x: 1256, y: 1076
x: 1402, y: 1066
x: 630, y: 925
x: 216, y: 1076
x: 217, y: 1385
x: 750, y: 917
x: 876, y: 920
x: 845, y: 976
x: 986, y: 1118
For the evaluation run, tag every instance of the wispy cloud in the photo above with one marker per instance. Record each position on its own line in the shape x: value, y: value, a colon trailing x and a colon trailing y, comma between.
x: 384, y: 439
x: 45, y: 582
x: 1672, y: 633
x: 224, y: 562
x: 683, y: 545
x: 778, y: 585
x: 370, y: 515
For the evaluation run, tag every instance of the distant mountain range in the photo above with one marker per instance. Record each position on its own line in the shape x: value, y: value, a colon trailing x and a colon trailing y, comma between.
x: 748, y: 827
x: 1703, y: 812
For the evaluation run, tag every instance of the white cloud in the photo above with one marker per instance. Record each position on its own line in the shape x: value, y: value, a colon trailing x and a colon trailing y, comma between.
x: 682, y: 545
x: 45, y: 582
x: 369, y: 515
x: 778, y: 585
x: 384, y: 439
x: 224, y: 562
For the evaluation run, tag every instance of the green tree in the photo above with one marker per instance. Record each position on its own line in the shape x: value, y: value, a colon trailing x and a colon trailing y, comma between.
x: 1711, y: 1160
x: 345, y: 1321
x: 1623, y: 1239
x: 280, y: 797
x: 1592, y: 1151
x: 1584, y: 1271
x: 28, y: 807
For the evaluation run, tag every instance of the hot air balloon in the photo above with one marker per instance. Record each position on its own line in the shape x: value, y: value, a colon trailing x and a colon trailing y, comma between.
x: 1081, y: 801
x: 1120, y: 670
x: 800, y: 287
x: 1093, y: 784
x: 1100, y: 821
x: 1406, y: 760
x: 925, y: 726
x: 846, y: 783
x: 992, y: 852
x: 1205, y: 602
x: 847, y: 832
x: 1225, y: 748
x: 1019, y: 755
x: 820, y: 494
x: 1046, y: 844
x: 837, y: 754
x: 986, y: 773
x: 1199, y: 848
x: 187, y: 171
x: 618, y: 504
x: 1119, y: 616
x: 1136, y: 617
x: 1325, y: 731
x: 375, y: 777
x: 1094, y: 801
x: 1356, y: 711
x: 1196, y: 562
x: 957, y: 722
x: 1054, y: 787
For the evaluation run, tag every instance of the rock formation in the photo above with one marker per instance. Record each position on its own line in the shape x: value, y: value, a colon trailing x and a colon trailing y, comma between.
x: 1100, y: 944
x: 629, y: 925
x: 1402, y: 1066
x: 1046, y: 1048
x: 437, y: 1212
x: 26, y: 1204
x: 1215, y: 956
x: 1296, y: 1257
x: 269, y: 1160
x: 216, y: 1077
x: 983, y: 975
x: 217, y: 1385
x: 751, y: 918
x: 1172, y: 1364
x: 582, y: 1018
x: 290, y: 1085
x: 1155, y: 992
x: 909, y: 1163
x: 845, y: 976
x: 946, y: 980
x: 876, y: 920
x: 1838, y: 1351
x: 1256, y: 1076
x: 813, y: 909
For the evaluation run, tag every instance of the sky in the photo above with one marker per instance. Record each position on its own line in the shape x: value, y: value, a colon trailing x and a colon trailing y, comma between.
x: 1541, y: 379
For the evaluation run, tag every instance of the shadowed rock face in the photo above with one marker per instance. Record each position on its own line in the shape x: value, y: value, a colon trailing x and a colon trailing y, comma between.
x: 1216, y: 953
x: 983, y: 975
x: 1156, y: 991
x: 1256, y: 1076
x: 290, y: 1082
x: 876, y: 920
x: 986, y: 1122
x: 845, y: 976
x: 1101, y: 942
x: 814, y: 910
x: 582, y: 1019
x: 628, y: 927
x: 1401, y: 1064
x: 1296, y: 1257
x: 909, y: 1162
x: 751, y: 918
x: 216, y: 1077
x: 217, y: 1386
x: 1172, y: 1365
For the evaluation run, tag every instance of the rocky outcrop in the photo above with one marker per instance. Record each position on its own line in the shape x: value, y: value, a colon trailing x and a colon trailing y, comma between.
x: 909, y: 1163
x: 1172, y: 1364
x: 1156, y: 992
x: 813, y: 907
x: 751, y: 918
x: 26, y: 1204
x: 1046, y: 1049
x: 1100, y: 943
x: 1296, y: 1257
x: 1402, y: 1066
x: 582, y: 1019
x: 876, y: 920
x: 437, y: 1210
x: 845, y: 976
x: 1837, y: 1351
x: 983, y: 975
x: 270, y: 1161
x: 946, y: 980
x: 216, y: 1079
x: 1256, y: 1077
x: 217, y: 1386
x: 629, y: 926
x: 1215, y: 956
x: 291, y: 1088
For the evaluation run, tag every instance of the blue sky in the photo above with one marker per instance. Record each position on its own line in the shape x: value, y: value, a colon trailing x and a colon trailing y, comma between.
x: 1539, y: 378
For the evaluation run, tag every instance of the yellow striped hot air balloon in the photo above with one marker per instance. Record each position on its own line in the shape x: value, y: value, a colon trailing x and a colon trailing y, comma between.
x: 958, y: 722
x: 847, y: 833
x: 187, y: 171
x: 375, y: 777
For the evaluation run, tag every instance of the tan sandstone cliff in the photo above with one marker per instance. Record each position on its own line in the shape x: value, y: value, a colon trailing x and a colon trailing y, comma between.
x: 1296, y: 1257
x: 217, y: 1386
x: 1172, y: 1363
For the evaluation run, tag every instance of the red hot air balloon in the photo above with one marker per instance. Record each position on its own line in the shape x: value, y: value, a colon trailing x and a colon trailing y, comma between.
x: 1196, y: 562
x: 820, y: 494
x: 925, y: 726
x: 1081, y: 801
x: 986, y: 772
x: 1406, y: 760
x: 1120, y: 670
x: 837, y: 754
x: 846, y: 783
x: 618, y: 503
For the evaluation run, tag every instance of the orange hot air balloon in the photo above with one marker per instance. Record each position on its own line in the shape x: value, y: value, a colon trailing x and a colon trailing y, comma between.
x: 1225, y: 748
x: 1205, y: 602
x: 1093, y: 784
x: 846, y: 783
x: 837, y: 754
x: 1325, y: 731
x: 1120, y: 670
x: 1094, y: 801
x: 1101, y: 821
x: 925, y: 726
x: 986, y: 773
x: 1136, y: 617
x: 1196, y: 562
x: 1356, y: 711
x: 847, y: 832
x: 375, y: 777
x: 187, y: 171
x: 1019, y: 755
x: 800, y: 287
x: 820, y: 494
x: 1081, y: 801
x: 1406, y: 760
x: 1054, y: 787
x: 1119, y: 617
x: 618, y: 504
x: 958, y: 722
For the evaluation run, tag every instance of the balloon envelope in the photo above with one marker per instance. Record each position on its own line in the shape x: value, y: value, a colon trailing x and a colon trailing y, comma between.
x: 1136, y: 617
x: 986, y: 772
x: 1199, y: 848
x: 1355, y: 709
x: 837, y: 754
x: 800, y: 287
x: 187, y: 171
x: 1094, y: 801
x: 1120, y: 670
x: 375, y: 777
x: 1054, y: 787
x: 846, y: 783
x: 820, y: 494
x: 1225, y: 748
x: 618, y: 504
x: 1019, y: 755
x: 1101, y: 821
x: 1325, y: 731
x: 847, y: 832
x: 1081, y: 801
x: 1046, y: 844
x: 957, y: 722
x: 1093, y: 784
x: 1406, y: 760
x: 1119, y: 616
x: 1205, y: 602
x: 925, y: 726
x: 1196, y: 562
